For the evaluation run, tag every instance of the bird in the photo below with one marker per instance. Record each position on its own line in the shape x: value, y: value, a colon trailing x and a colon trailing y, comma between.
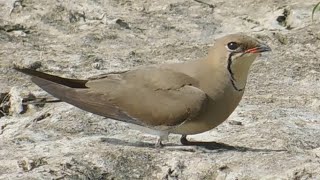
x: 182, y: 98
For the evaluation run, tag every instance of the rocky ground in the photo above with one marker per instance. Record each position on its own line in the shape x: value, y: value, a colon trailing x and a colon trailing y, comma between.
x: 273, y: 134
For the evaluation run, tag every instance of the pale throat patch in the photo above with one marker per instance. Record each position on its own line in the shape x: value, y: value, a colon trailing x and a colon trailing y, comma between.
x: 238, y: 68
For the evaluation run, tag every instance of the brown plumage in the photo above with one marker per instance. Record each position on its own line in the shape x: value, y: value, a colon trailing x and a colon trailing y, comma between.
x: 182, y: 98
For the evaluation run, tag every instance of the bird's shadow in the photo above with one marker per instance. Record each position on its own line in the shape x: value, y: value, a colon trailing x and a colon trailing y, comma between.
x: 192, y: 146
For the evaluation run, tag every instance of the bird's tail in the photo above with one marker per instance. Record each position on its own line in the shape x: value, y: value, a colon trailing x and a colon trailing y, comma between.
x: 72, y: 83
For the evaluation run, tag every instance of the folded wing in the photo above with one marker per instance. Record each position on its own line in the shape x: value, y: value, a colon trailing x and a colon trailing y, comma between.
x: 149, y: 97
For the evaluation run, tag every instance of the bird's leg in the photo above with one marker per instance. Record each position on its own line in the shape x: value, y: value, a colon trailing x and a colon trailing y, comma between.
x: 159, y: 143
x: 161, y: 136
x: 184, y: 140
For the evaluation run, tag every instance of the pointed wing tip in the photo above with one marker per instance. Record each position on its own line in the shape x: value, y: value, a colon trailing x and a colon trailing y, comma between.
x: 25, y: 70
x: 36, y: 75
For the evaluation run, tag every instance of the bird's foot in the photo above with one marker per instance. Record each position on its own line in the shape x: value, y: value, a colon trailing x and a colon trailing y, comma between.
x: 184, y: 140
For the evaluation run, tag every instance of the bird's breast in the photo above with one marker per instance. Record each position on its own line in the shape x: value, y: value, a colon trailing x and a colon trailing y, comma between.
x: 221, y: 103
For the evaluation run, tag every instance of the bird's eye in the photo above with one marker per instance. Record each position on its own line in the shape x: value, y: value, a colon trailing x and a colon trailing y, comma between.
x: 232, y: 46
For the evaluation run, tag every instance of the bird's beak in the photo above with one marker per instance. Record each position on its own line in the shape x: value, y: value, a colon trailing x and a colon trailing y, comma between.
x: 259, y: 49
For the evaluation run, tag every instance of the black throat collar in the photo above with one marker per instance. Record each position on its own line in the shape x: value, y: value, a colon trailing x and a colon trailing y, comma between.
x: 232, y: 79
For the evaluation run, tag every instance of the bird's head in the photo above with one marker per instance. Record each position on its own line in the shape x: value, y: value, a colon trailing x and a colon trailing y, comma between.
x: 236, y: 52
x: 238, y: 47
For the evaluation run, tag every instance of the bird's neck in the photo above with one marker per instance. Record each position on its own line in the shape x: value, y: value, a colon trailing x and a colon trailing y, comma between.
x: 238, y: 71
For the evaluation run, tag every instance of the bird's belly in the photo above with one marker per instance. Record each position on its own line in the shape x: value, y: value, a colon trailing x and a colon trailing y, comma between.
x: 197, y: 126
x: 217, y: 112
